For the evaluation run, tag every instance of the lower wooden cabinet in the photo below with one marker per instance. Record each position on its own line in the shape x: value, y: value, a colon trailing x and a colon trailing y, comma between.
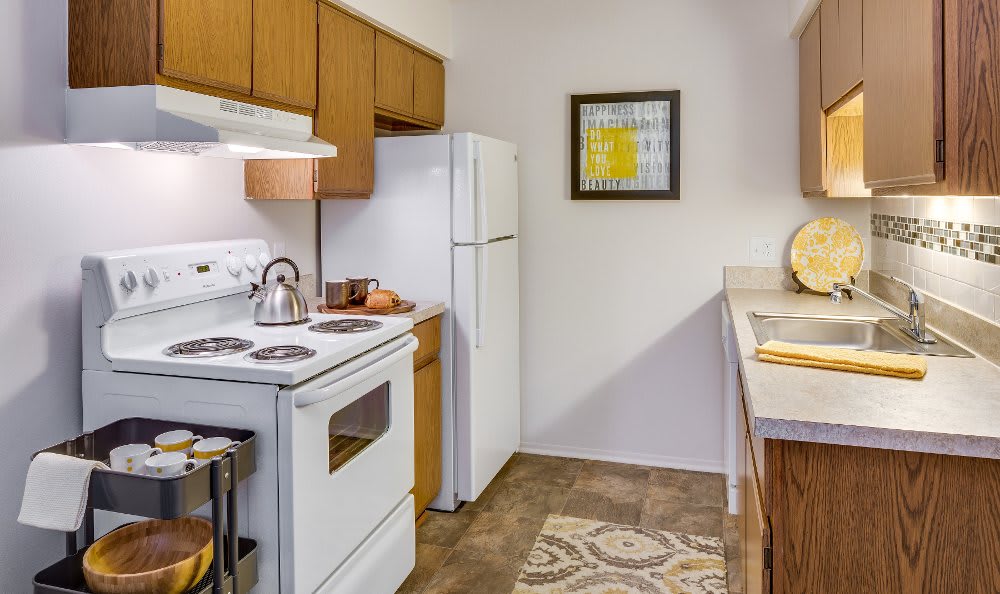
x: 835, y: 519
x: 753, y: 523
x: 427, y: 414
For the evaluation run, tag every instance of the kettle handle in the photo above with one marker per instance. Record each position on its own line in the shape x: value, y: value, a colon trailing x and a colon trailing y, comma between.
x: 263, y: 275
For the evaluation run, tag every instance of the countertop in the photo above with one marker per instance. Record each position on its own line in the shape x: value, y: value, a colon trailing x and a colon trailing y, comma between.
x: 954, y: 409
x: 424, y: 311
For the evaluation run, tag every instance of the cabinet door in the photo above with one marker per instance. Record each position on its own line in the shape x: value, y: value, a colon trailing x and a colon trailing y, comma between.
x: 427, y: 434
x: 756, y: 529
x: 208, y: 42
x: 812, y: 119
x: 903, y: 92
x: 393, y: 75
x: 428, y: 88
x: 345, y: 113
x: 284, y: 51
x: 742, y: 486
x: 841, y: 34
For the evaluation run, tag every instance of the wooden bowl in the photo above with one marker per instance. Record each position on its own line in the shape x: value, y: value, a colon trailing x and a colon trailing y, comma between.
x: 151, y: 557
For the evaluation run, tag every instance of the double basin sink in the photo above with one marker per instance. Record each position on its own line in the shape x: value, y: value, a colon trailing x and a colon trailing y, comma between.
x: 881, y: 334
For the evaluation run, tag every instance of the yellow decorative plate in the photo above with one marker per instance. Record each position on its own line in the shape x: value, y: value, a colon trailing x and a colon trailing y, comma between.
x: 827, y: 251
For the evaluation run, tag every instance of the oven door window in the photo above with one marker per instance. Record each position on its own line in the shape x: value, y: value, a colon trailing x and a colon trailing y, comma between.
x: 358, y: 425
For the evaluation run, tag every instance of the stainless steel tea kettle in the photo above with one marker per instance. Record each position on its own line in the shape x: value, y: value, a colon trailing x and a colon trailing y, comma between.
x: 278, y: 303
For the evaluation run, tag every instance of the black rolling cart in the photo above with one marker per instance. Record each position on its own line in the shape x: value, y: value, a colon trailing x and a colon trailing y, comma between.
x: 234, y: 564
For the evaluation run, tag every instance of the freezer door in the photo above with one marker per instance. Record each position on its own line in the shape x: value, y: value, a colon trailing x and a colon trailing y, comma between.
x: 487, y: 372
x: 484, y: 194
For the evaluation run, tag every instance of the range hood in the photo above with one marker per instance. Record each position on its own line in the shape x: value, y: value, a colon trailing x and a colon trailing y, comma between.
x: 164, y: 119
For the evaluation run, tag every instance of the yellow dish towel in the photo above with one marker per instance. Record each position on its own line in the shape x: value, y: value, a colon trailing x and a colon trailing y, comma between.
x: 892, y: 364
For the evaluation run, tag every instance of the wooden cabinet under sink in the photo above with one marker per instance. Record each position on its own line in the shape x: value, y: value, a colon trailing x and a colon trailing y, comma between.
x: 818, y: 517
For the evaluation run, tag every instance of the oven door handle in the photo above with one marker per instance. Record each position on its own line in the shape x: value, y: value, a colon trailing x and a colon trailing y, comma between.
x: 357, y: 371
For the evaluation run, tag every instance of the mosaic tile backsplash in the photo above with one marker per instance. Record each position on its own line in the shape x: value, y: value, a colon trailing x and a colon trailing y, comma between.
x: 948, y: 247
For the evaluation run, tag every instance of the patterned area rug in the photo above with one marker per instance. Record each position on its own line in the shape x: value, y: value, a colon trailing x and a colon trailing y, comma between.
x: 589, y: 557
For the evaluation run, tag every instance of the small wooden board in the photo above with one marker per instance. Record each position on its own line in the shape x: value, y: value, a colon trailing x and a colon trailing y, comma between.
x: 361, y: 310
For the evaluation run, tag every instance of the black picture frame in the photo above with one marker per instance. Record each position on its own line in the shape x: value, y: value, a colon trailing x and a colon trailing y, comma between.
x: 576, y: 101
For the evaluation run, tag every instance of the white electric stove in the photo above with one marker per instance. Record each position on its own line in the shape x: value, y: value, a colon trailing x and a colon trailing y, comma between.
x: 168, y: 333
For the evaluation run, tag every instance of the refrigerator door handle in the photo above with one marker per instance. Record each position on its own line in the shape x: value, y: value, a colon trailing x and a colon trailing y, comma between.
x: 482, y: 271
x: 482, y: 223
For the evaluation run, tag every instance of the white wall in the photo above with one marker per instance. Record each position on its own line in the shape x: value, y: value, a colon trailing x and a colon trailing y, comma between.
x: 620, y: 301
x: 57, y: 203
x: 799, y: 13
x: 426, y: 23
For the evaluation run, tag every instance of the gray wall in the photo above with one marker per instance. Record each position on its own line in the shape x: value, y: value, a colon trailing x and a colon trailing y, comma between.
x: 620, y: 300
x: 59, y: 202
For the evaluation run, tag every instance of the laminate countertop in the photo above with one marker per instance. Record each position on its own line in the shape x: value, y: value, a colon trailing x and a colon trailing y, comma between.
x: 424, y: 311
x: 954, y: 409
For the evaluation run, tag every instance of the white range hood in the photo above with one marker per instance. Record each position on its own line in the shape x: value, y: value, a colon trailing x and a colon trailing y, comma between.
x: 165, y: 119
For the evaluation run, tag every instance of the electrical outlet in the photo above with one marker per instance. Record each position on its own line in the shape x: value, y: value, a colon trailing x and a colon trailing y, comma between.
x: 763, y: 251
x: 279, y: 249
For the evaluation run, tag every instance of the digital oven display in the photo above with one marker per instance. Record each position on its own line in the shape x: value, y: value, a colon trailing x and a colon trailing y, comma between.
x: 203, y: 269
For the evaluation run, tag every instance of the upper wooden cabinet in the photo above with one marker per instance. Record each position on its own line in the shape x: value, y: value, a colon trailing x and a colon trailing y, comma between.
x: 904, y: 113
x: 841, y: 34
x: 284, y: 51
x: 409, y: 84
x: 214, y: 47
x: 207, y: 42
x: 345, y: 114
x: 949, y: 88
x: 812, y: 120
x: 393, y: 75
x: 926, y: 104
x: 428, y: 89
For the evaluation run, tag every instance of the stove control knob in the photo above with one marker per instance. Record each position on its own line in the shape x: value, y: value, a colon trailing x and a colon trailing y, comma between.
x: 151, y: 277
x: 251, y: 262
x: 129, y: 281
x: 263, y: 258
x: 234, y: 265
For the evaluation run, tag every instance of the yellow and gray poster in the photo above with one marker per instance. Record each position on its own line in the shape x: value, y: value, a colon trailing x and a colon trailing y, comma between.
x: 625, y: 146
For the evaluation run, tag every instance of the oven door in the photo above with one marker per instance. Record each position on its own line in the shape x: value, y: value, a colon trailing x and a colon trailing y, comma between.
x: 345, y: 448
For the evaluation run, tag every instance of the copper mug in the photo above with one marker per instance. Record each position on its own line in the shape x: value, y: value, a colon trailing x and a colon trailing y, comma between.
x: 359, y: 288
x: 339, y: 293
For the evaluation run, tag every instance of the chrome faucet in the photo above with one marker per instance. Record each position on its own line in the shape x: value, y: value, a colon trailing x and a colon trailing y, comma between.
x: 916, y: 318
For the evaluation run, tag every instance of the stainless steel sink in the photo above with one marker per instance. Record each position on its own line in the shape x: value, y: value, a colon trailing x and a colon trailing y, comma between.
x: 848, y: 332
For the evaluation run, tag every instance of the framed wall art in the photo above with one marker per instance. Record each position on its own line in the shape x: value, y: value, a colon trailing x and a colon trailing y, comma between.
x: 625, y: 146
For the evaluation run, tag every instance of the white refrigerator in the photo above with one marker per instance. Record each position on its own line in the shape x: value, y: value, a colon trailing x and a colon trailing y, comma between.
x: 442, y: 225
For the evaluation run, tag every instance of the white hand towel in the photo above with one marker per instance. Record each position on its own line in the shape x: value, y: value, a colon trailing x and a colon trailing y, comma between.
x: 55, y: 491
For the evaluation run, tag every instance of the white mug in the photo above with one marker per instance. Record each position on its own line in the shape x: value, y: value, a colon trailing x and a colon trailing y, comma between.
x: 178, y: 440
x: 169, y: 464
x: 132, y: 457
x: 208, y: 448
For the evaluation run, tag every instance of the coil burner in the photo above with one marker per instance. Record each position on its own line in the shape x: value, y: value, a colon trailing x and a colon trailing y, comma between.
x: 280, y: 354
x: 208, y: 347
x: 346, y: 326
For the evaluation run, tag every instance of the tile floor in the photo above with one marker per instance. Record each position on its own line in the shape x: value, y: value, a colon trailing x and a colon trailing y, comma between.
x: 480, y: 548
